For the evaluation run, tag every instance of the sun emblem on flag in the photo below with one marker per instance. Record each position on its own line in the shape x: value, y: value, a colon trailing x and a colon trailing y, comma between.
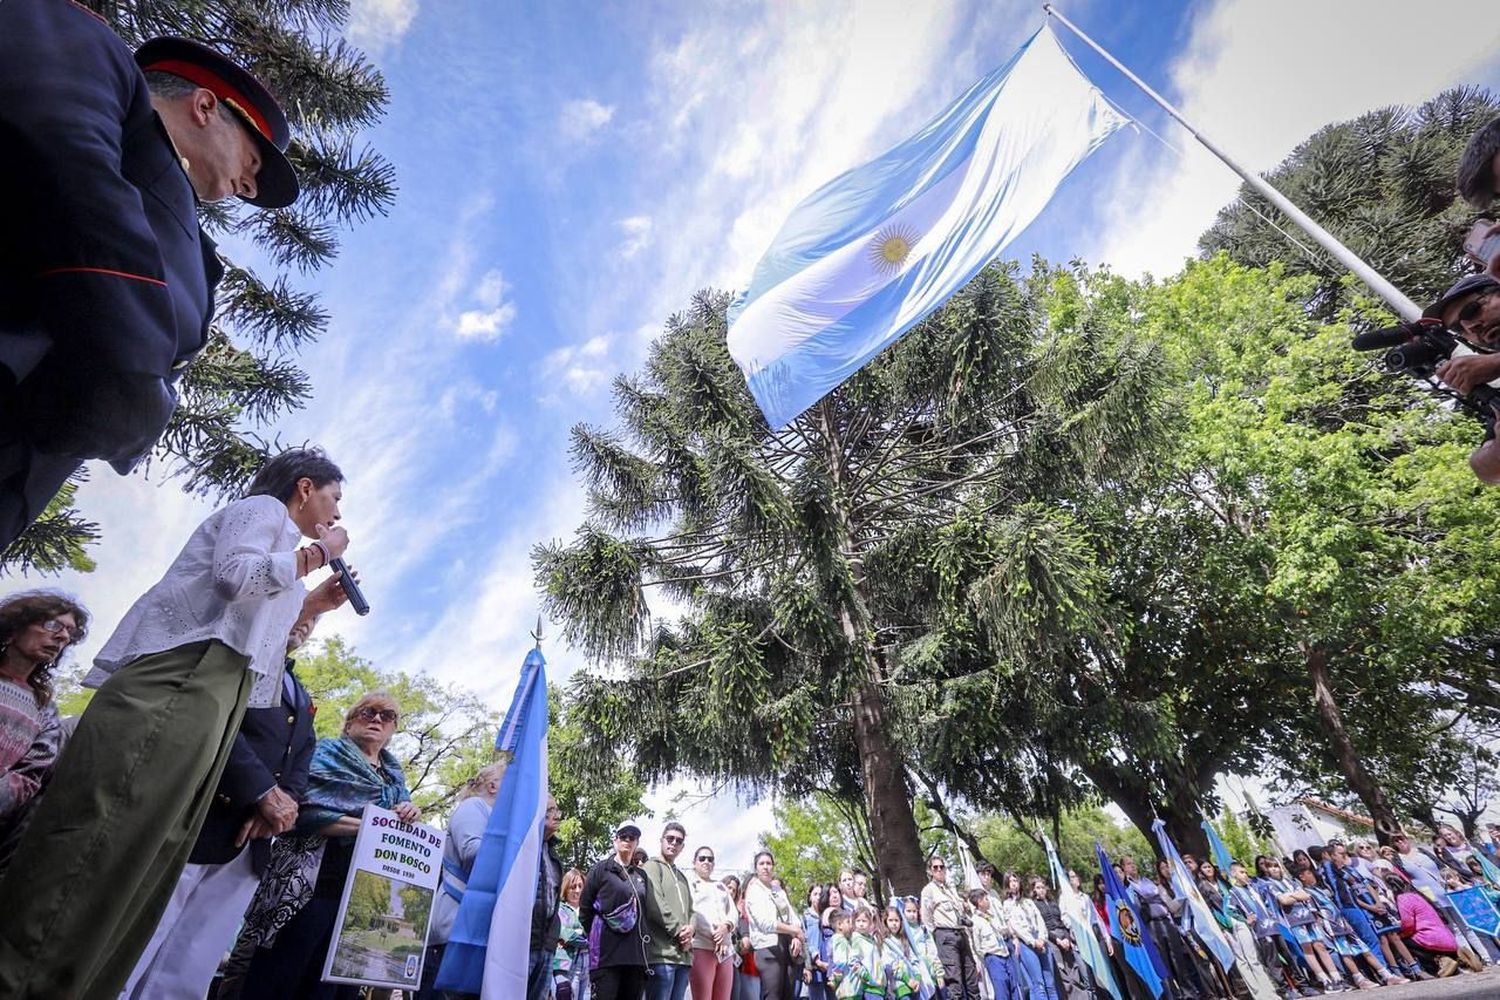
x: 891, y: 247
x: 1125, y: 921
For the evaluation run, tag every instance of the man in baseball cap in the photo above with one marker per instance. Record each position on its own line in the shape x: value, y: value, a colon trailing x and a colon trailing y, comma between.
x: 1470, y: 307
x: 106, y: 280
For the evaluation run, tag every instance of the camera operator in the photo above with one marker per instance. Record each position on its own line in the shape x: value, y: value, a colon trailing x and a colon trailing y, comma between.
x: 1478, y: 171
x: 1471, y: 307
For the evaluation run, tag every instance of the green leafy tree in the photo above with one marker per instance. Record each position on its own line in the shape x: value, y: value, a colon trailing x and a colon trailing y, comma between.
x: 1383, y: 183
x: 416, y: 904
x: 369, y: 900
x: 1011, y: 846
x: 595, y: 794
x: 245, y: 376
x: 794, y: 551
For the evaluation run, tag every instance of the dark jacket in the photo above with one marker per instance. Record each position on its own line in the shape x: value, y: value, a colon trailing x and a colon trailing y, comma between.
x: 607, y: 887
x: 273, y: 747
x: 106, y: 279
x: 1052, y: 919
x: 546, y: 922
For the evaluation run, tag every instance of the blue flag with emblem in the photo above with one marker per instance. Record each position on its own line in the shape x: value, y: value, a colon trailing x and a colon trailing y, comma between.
x: 489, y: 947
x: 1197, y: 918
x: 872, y: 252
x: 1128, y: 929
x: 1076, y: 911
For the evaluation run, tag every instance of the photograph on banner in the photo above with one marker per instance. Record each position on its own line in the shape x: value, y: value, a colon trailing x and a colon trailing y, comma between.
x: 380, y: 935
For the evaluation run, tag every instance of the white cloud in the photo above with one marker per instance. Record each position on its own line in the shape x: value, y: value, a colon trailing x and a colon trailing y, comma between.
x: 1332, y: 67
x: 582, y: 118
x: 377, y: 25
x: 637, y: 232
x: 493, y: 318
x: 582, y: 368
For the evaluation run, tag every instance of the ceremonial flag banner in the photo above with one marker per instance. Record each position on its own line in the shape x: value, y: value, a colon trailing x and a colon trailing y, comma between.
x: 1222, y: 858
x: 1075, y: 910
x: 380, y: 935
x: 874, y: 251
x: 1128, y: 929
x: 1476, y: 910
x: 1197, y: 918
x: 489, y: 947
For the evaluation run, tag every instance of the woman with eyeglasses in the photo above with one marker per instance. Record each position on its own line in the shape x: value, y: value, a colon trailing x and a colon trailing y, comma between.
x: 714, y: 917
x: 133, y: 788
x: 613, y: 912
x: 36, y: 629
x: 348, y: 772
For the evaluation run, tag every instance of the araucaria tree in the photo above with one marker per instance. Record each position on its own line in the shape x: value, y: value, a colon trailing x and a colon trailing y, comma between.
x: 796, y: 664
x: 244, y: 377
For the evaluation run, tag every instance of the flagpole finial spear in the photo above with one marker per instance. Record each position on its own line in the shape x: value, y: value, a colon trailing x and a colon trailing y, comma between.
x: 537, y: 634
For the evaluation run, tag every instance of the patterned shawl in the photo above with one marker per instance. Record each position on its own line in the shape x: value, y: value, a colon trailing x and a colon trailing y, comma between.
x: 342, y: 781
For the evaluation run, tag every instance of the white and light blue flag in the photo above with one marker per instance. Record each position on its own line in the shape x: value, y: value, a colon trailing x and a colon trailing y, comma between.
x: 489, y: 947
x: 1196, y: 915
x: 1079, y: 914
x: 873, y: 252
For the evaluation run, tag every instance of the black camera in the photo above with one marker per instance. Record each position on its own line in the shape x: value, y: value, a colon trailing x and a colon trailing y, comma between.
x: 1417, y: 348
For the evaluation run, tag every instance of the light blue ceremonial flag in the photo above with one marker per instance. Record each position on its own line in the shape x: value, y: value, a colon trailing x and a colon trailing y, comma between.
x: 1222, y: 857
x: 489, y: 948
x: 1128, y: 929
x: 1076, y: 909
x: 874, y: 251
x: 1197, y: 917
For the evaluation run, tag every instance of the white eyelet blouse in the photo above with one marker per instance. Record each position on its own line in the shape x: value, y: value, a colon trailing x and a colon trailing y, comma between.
x: 236, y: 581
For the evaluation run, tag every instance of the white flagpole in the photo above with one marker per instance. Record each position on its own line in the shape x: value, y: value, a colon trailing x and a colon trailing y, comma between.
x: 1404, y: 307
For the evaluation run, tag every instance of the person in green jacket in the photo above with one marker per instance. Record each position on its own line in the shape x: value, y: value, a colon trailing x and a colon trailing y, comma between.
x: 669, y: 919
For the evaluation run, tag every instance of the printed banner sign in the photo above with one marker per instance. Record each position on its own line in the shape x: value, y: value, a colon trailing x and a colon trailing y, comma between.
x: 1476, y: 909
x: 380, y: 936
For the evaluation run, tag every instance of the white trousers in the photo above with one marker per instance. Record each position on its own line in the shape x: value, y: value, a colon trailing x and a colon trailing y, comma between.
x: 194, y: 933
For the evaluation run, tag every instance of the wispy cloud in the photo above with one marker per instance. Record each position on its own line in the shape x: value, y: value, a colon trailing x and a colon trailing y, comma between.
x: 580, y: 119
x: 581, y: 368
x: 637, y: 232
x: 377, y: 25
x: 494, y: 315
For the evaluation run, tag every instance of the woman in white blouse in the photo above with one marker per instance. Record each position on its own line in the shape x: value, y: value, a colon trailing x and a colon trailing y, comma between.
x: 775, y: 930
x: 1026, y: 924
x: 99, y: 861
x: 714, y: 918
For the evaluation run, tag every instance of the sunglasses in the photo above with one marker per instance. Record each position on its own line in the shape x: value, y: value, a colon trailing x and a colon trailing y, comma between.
x: 705, y: 857
x: 378, y: 714
x: 54, y: 627
x: 1471, y: 308
x: 672, y: 839
x: 939, y: 868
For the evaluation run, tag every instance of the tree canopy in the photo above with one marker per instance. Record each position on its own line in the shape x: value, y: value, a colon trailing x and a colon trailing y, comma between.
x: 246, y: 377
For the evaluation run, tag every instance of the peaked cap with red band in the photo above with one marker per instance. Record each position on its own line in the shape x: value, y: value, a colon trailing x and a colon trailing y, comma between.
x: 253, y: 105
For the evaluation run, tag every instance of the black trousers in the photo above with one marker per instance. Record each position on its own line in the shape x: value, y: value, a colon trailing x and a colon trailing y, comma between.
x: 960, y: 975
x: 775, y: 968
x: 618, y: 982
x: 1174, y: 952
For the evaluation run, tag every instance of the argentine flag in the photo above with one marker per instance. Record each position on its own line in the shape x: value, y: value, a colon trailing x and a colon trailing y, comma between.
x: 489, y: 947
x: 872, y: 252
x: 1197, y: 917
x: 1077, y: 911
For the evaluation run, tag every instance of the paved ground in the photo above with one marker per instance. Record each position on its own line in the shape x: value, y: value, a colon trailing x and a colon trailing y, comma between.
x: 1466, y: 986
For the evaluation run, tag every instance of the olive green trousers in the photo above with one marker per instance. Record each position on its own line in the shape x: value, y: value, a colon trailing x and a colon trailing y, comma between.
x: 99, y: 860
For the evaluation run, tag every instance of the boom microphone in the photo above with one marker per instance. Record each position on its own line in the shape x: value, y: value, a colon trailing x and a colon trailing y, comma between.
x: 351, y: 589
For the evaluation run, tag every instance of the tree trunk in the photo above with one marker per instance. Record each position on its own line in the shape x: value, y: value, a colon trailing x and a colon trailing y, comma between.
x: 893, y: 823
x: 1182, y: 813
x: 1361, y: 782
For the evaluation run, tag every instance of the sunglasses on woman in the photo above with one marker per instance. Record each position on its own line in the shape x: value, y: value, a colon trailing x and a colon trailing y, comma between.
x: 705, y: 857
x: 378, y: 714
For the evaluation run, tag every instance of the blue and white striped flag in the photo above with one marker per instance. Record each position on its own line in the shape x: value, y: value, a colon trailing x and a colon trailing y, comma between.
x: 1076, y: 910
x: 489, y: 947
x: 1197, y: 918
x: 871, y: 253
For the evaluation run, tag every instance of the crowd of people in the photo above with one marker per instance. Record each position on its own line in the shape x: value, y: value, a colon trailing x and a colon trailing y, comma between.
x: 1328, y: 919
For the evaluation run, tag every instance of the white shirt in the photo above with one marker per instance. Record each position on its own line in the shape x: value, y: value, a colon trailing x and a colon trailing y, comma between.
x: 766, y: 908
x: 236, y: 581
x: 712, y: 908
x: 1025, y: 919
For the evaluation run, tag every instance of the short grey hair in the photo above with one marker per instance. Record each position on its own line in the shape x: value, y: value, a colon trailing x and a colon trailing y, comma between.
x: 1476, y: 168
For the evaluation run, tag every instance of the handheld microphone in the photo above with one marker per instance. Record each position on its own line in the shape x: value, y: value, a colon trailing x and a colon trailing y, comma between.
x: 351, y: 589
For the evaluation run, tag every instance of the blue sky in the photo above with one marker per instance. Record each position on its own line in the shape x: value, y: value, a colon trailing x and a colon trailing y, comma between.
x: 571, y: 173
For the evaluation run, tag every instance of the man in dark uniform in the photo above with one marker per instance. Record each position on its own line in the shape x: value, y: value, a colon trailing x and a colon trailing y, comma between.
x: 106, y: 279
x: 256, y: 799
